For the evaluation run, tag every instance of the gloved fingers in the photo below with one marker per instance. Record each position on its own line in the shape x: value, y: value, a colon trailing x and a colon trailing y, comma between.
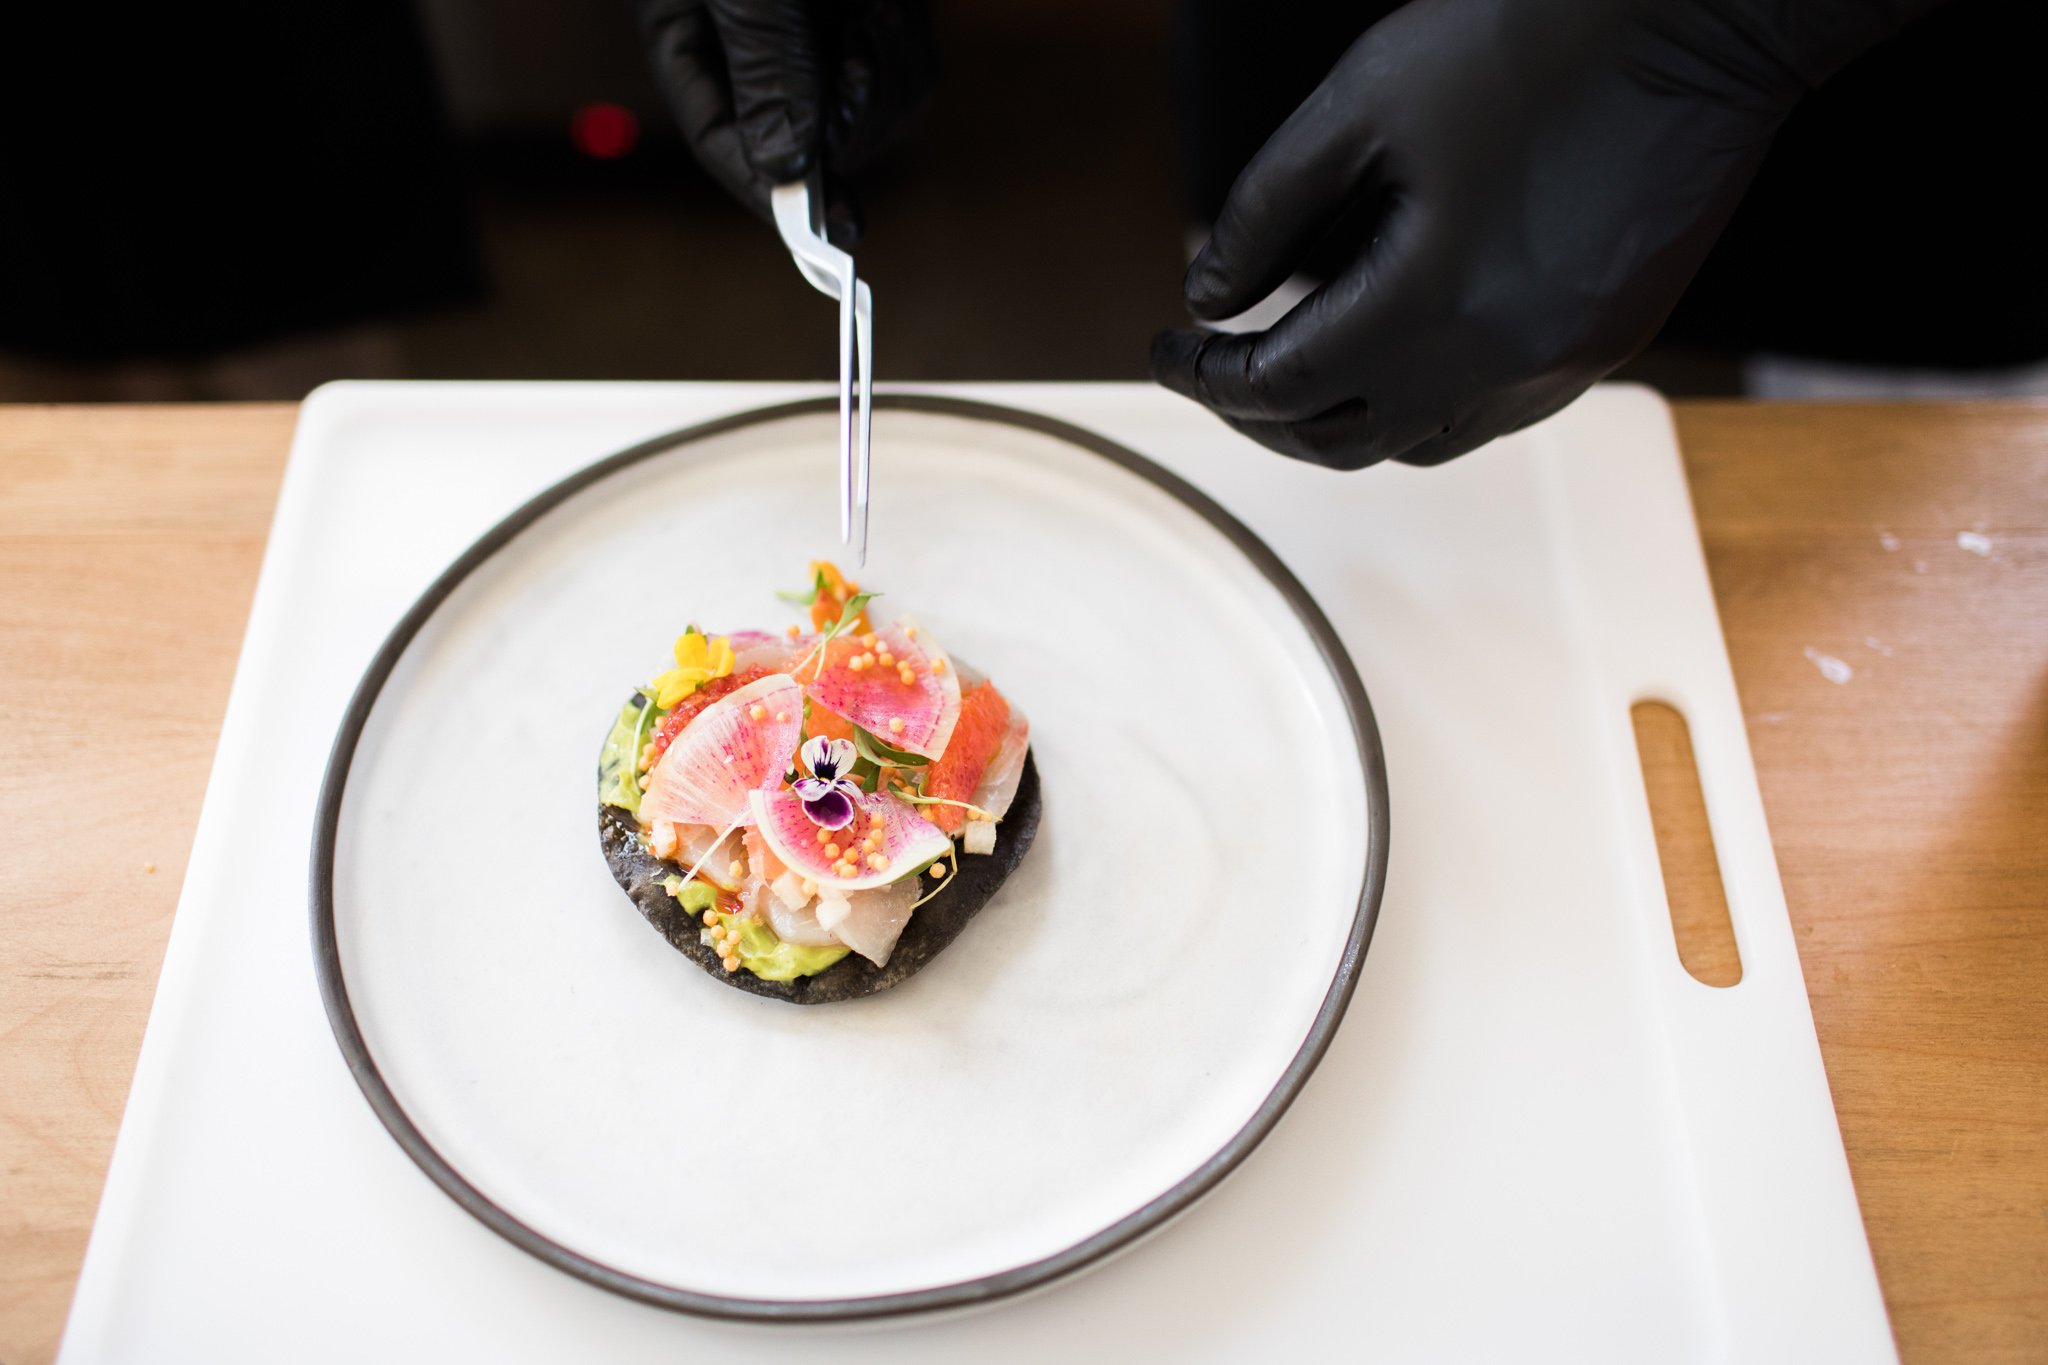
x: 1342, y: 438
x: 689, y: 64
x: 1320, y: 163
x: 1446, y: 445
x: 1347, y: 432
x: 774, y: 70
x: 1226, y: 373
x: 1305, y: 364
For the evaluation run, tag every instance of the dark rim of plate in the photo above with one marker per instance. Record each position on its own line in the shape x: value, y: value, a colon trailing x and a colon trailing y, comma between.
x: 967, y: 1293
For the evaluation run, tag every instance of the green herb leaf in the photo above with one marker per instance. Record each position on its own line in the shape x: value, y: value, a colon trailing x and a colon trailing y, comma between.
x: 855, y: 605
x: 875, y: 751
x: 805, y: 599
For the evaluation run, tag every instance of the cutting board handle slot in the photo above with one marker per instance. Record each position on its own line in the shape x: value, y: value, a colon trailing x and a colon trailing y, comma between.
x: 1685, y: 845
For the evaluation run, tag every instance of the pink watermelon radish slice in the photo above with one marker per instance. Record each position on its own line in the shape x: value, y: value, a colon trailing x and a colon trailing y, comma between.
x: 850, y: 679
x: 727, y: 752
x: 905, y: 840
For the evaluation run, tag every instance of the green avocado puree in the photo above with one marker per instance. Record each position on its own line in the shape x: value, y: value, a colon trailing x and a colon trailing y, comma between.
x: 618, y: 769
x: 761, y: 952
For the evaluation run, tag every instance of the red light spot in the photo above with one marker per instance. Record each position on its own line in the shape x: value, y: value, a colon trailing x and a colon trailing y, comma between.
x: 604, y: 131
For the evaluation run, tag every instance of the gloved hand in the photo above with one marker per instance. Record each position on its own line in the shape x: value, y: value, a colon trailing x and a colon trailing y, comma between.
x: 766, y: 90
x: 1530, y: 184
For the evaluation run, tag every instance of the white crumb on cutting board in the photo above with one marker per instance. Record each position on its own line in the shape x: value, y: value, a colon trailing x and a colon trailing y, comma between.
x: 1887, y: 539
x: 1831, y: 668
x: 1976, y: 542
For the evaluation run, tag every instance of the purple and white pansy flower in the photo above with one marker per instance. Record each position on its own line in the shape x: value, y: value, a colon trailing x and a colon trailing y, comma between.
x: 828, y: 793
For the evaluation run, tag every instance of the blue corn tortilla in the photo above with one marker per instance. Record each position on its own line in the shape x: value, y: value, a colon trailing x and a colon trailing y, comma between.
x: 935, y: 924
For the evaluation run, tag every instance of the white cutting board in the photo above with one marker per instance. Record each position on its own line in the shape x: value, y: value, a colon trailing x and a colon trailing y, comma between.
x: 1535, y: 1137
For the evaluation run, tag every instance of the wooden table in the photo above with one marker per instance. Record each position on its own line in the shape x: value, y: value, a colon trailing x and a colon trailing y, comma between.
x: 1909, y: 804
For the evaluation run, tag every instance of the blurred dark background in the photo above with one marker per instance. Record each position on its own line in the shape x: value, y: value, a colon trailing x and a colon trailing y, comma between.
x: 243, y: 200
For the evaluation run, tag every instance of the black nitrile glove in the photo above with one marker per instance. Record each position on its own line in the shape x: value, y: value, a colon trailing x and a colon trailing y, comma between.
x: 1530, y: 184
x: 766, y: 90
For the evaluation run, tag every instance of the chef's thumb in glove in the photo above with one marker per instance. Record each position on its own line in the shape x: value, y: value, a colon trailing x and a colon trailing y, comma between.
x: 767, y: 90
x: 1530, y: 185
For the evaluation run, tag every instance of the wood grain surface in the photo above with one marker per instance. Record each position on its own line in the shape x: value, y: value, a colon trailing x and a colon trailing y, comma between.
x: 1909, y: 810
x: 129, y: 543
x: 1693, y: 892
x: 1908, y: 802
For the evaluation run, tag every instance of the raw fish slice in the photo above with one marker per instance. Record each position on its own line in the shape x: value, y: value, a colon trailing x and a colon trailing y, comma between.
x: 998, y: 786
x: 800, y: 927
x: 908, y: 840
x: 772, y: 652
x: 871, y: 921
x: 761, y: 861
x: 692, y: 845
x: 725, y: 753
x: 984, y: 720
x: 928, y: 705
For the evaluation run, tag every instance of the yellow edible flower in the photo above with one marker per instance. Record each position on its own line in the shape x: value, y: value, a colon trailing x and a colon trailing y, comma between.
x: 697, y: 663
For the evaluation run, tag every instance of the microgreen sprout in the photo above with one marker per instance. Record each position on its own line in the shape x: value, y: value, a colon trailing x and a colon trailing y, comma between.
x: 804, y: 599
x: 855, y: 605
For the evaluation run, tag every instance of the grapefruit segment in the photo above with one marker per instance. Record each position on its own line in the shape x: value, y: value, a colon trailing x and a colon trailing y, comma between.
x: 904, y: 840
x: 894, y: 682
x: 727, y: 752
x: 977, y: 738
x: 998, y: 786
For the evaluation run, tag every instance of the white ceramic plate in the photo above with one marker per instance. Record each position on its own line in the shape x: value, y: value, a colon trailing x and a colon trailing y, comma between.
x: 1113, y: 1033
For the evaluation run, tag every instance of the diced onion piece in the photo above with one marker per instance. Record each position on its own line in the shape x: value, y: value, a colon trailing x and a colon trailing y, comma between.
x: 832, y: 912
x: 789, y: 889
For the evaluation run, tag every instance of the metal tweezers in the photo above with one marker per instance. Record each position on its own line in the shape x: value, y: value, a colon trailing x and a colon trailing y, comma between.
x: 800, y: 218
